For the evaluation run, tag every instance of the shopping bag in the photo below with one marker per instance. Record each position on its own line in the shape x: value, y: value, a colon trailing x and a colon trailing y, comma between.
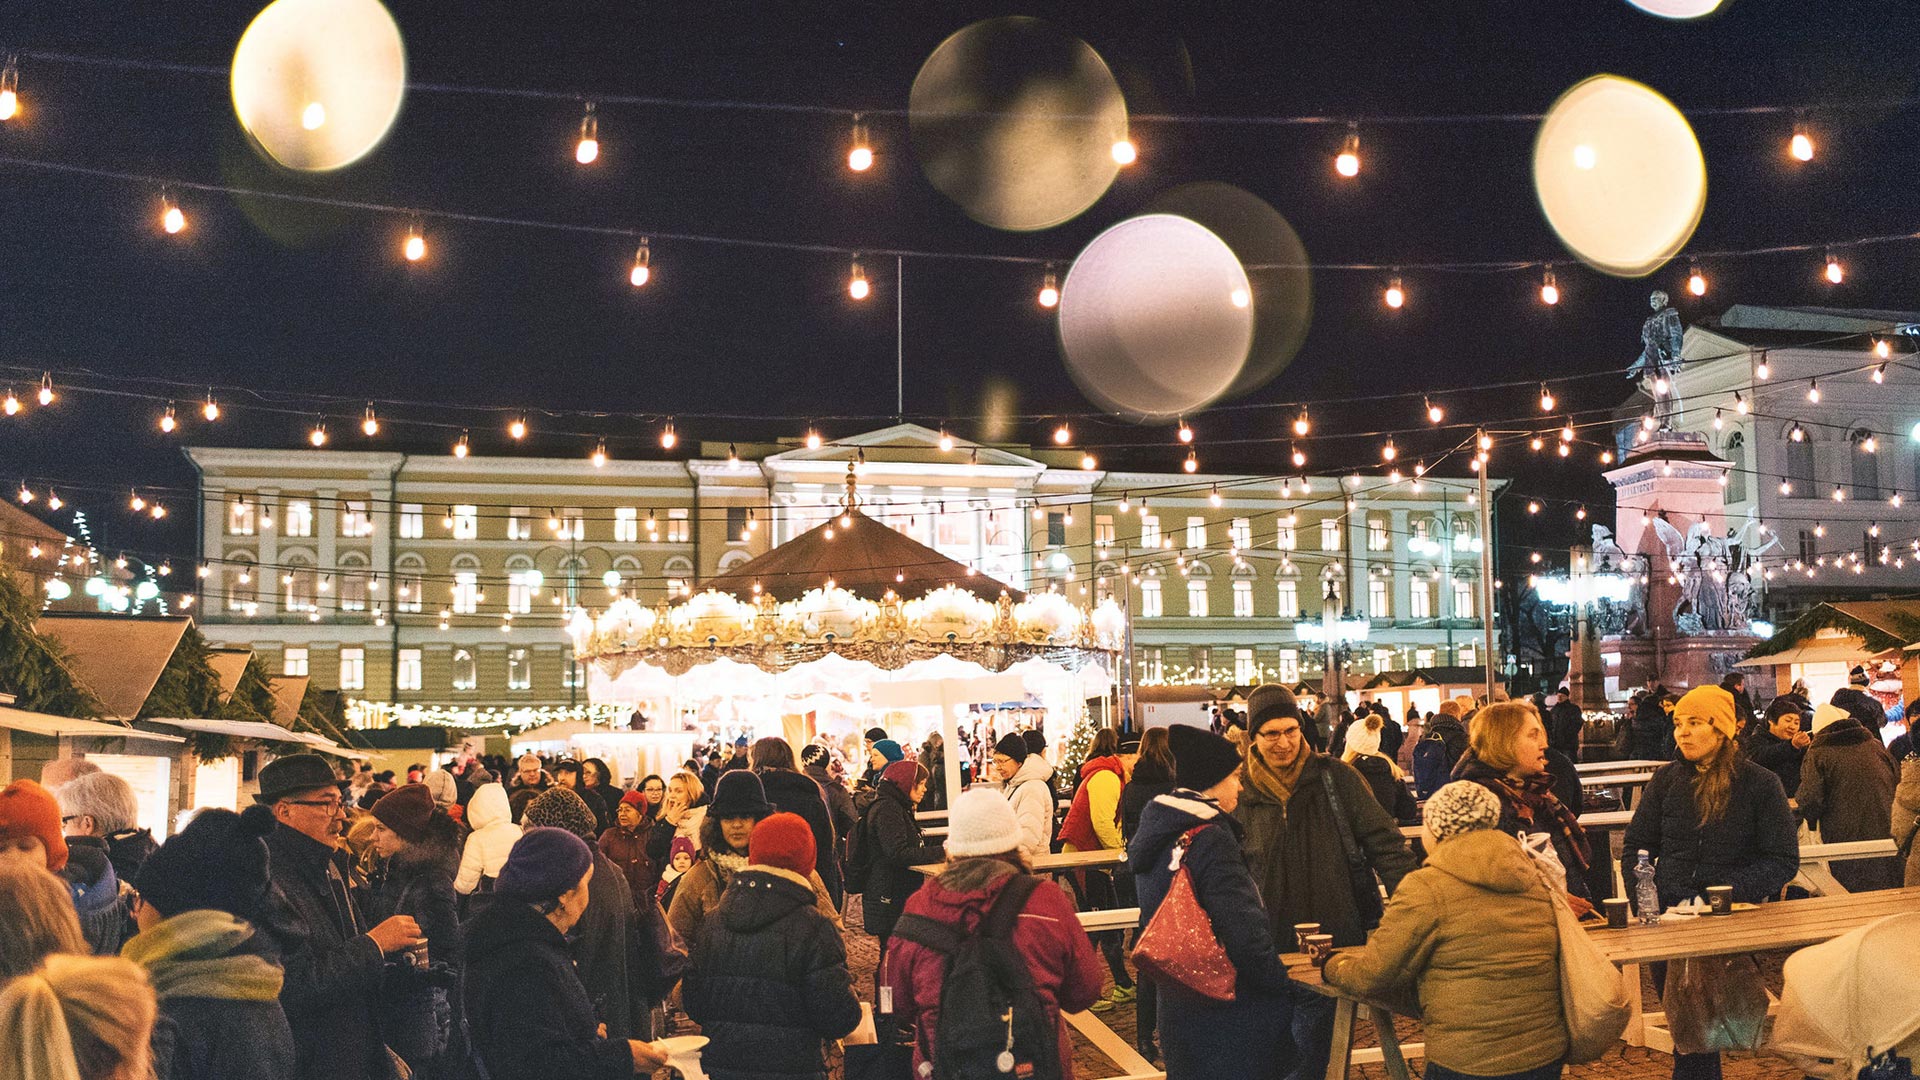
x: 1593, y: 993
x: 1178, y: 946
x: 1714, y: 1003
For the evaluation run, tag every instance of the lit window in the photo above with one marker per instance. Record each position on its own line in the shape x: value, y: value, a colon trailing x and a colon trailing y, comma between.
x: 1289, y: 592
x: 409, y: 671
x: 466, y: 592
x: 1153, y: 664
x: 1420, y: 597
x: 1463, y: 602
x: 1240, y: 533
x: 353, y: 591
x: 1243, y: 599
x: 294, y: 661
x: 355, y: 522
x: 1468, y: 656
x: 626, y: 524
x: 406, y: 583
x: 1382, y: 660
x: 573, y: 524
x: 519, y: 670
x: 679, y: 528
x: 1056, y: 529
x: 520, y: 591
x: 1196, y: 532
x: 466, y: 522
x: 1289, y: 665
x: 1197, y: 597
x: 465, y: 677
x: 574, y: 673
x: 1377, y: 533
x: 353, y: 668
x: 1103, y: 530
x: 1329, y: 534
x: 1149, y: 530
x: 243, y: 585
x: 1423, y: 658
x: 1244, y: 671
x: 519, y: 523
x: 297, y: 518
x: 1150, y: 602
x: 1379, y: 597
x: 240, y: 517
x: 413, y: 521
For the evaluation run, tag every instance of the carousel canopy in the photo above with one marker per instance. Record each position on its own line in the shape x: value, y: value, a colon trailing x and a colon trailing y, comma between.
x: 863, y: 556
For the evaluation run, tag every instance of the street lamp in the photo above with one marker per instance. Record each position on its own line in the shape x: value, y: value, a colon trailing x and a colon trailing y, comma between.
x: 1338, y: 634
x: 1579, y: 590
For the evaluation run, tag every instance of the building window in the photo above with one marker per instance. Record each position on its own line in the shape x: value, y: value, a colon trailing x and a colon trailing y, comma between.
x: 1287, y: 539
x: 1463, y: 534
x: 1150, y: 601
x: 1468, y: 656
x: 407, y: 675
x: 1377, y: 539
x: 413, y: 522
x: 406, y: 583
x: 1153, y: 664
x: 1289, y: 665
x: 1379, y: 596
x: 520, y: 586
x: 1329, y: 534
x: 1289, y: 594
x: 1866, y: 466
x: 1203, y: 662
x: 297, y: 518
x: 1463, y: 602
x: 293, y: 661
x: 1423, y: 658
x: 737, y: 530
x: 519, y: 670
x: 466, y: 522
x: 679, y: 528
x: 1196, y: 532
x: 465, y: 676
x: 355, y: 522
x: 353, y: 668
x: 300, y: 583
x: 1103, y: 530
x: 1800, y: 466
x: 1736, y: 455
x: 519, y: 523
x: 243, y: 591
x: 573, y: 524
x: 1244, y: 671
x: 1420, y: 597
x: 353, y: 590
x: 1809, y: 548
x: 1149, y: 530
x: 1240, y: 533
x: 240, y: 517
x: 1382, y: 660
x: 626, y: 524
x: 466, y: 592
x: 573, y: 673
x: 1243, y: 599
x: 1197, y: 597
x: 1056, y: 529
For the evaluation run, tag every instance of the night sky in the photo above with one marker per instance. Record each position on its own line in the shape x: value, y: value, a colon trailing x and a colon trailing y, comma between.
x: 300, y: 302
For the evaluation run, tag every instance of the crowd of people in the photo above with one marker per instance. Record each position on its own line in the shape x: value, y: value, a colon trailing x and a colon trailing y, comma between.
x: 533, y: 918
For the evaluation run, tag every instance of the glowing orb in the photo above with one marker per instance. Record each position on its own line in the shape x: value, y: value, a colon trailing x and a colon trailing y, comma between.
x: 1619, y: 175
x: 1149, y: 326
x: 1677, y: 9
x: 317, y: 83
x: 1022, y: 126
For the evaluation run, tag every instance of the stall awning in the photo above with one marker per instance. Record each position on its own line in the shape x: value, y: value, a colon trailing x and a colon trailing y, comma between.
x: 1849, y: 651
x: 253, y: 729
x: 35, y: 723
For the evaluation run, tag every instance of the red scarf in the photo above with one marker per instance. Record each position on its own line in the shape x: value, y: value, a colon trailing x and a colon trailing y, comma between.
x: 1534, y: 803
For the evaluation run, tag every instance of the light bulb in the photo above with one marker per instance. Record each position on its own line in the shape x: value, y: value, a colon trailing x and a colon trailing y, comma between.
x: 1347, y: 162
x: 1535, y: 443
x: 1302, y: 424
x: 518, y: 428
x: 859, y: 149
x: 1835, y: 273
x: 370, y: 424
x: 460, y: 448
x: 813, y: 439
x: 167, y: 420
x: 1395, y: 296
x: 1739, y: 403
x: 1062, y: 435
x: 1718, y: 423
x: 318, y: 436
x: 1088, y: 462
x: 1049, y: 291
x: 415, y: 248
x: 1389, y: 452
x: 600, y: 454
x: 587, y: 150
x: 1813, y: 390
x: 46, y: 389
x: 54, y: 502
x: 313, y: 116
x: 1585, y: 157
x: 171, y: 219
x: 1299, y: 458
x: 1882, y: 348
x: 1801, y: 145
x: 1696, y: 282
x: 857, y: 286
x: 1869, y: 445
x: 10, y: 90
x: 11, y: 406
x: 25, y: 494
x: 1797, y: 433
x: 1240, y: 298
x: 1549, y: 289
x: 1213, y: 496
x: 946, y: 441
x: 733, y: 458
x: 1879, y: 374
x: 1192, y: 464
x: 1763, y: 370
x: 134, y: 502
x: 1484, y: 441
x: 1124, y: 152
x: 667, y: 437
x: 642, y: 266
x: 1185, y: 433
x: 1565, y: 450
x: 210, y: 410
x: 1546, y: 398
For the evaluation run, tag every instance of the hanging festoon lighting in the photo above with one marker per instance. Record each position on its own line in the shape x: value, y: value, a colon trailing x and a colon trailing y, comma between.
x: 668, y: 437
x: 1549, y: 288
x: 46, y: 388
x: 1062, y: 435
x: 1185, y: 433
x: 1740, y: 404
x: 54, y: 502
x: 587, y: 150
x: 1389, y: 451
x: 1347, y: 161
x: 11, y: 404
x: 1124, y: 152
x: 1435, y: 413
x: 1192, y: 464
x: 415, y: 247
x: 1813, y: 391
x: 1049, y: 290
x: 859, y: 148
x: 1696, y: 281
x: 642, y: 266
x: 461, y: 447
x: 1396, y: 294
x: 813, y: 437
x: 857, y: 286
x: 1299, y: 458
x: 1088, y: 462
x: 946, y: 441
x: 168, y: 421
x: 1800, y: 146
x: 172, y: 219
x: 1882, y: 348
x: 210, y: 408
x: 600, y: 454
x: 517, y: 429
x: 10, y: 89
x: 318, y: 436
x: 1546, y: 399
x: 1302, y: 423
x: 1835, y: 272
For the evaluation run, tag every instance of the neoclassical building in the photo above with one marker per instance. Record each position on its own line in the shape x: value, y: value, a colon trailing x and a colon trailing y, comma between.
x: 434, y: 582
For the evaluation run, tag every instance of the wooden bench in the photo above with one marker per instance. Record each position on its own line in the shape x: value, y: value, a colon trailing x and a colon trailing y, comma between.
x: 1125, y: 918
x: 1057, y: 862
x: 1635, y: 766
x: 1816, y: 872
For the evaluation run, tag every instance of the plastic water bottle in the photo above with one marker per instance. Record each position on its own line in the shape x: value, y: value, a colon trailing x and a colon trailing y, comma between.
x: 1646, y: 894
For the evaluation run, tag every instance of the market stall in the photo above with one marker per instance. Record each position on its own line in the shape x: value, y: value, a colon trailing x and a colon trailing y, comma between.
x: 1826, y: 643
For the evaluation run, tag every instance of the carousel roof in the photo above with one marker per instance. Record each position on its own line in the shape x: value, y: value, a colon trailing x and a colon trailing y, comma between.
x: 864, y: 556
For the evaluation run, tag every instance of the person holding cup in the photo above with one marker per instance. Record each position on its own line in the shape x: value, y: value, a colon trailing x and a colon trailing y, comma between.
x: 1471, y: 933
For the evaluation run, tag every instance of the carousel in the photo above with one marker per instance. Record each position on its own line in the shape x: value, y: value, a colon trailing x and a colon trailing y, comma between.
x: 847, y: 626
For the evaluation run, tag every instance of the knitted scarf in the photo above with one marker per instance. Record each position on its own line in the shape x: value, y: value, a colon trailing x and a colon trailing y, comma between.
x: 1534, y: 803
x: 725, y: 865
x: 1276, y: 783
x: 195, y: 955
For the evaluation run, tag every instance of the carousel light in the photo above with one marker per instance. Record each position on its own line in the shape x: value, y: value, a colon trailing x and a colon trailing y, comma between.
x: 1869, y: 444
x: 1535, y: 443
x: 1786, y: 487
x: 1696, y: 281
x: 642, y: 266
x: 167, y: 420
x: 461, y: 448
x: 25, y: 493
x: 134, y: 502
x: 859, y: 149
x: 1483, y: 440
x: 587, y: 150
x: 857, y: 286
x: 369, y: 423
x: 1797, y: 433
x: 1718, y: 423
x: 1347, y: 161
x: 158, y: 511
x: 733, y: 458
x: 46, y: 388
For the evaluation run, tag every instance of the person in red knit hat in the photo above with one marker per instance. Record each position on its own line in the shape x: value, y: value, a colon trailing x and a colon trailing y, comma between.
x: 769, y: 984
x: 30, y: 822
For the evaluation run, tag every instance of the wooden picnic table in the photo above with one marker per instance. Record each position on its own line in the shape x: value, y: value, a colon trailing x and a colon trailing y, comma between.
x: 1629, y: 783
x: 1598, y: 819
x: 1056, y: 862
x: 1637, y: 765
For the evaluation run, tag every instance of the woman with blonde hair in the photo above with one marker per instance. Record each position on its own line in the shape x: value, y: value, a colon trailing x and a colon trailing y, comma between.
x: 38, y: 915
x: 1381, y: 772
x: 77, y: 1018
x: 680, y: 816
x: 1508, y: 755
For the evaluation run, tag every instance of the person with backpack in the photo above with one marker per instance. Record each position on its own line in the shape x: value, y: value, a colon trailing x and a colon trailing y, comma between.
x: 886, y: 848
x: 1027, y: 781
x: 1192, y: 830
x: 985, y: 941
x: 1439, y: 749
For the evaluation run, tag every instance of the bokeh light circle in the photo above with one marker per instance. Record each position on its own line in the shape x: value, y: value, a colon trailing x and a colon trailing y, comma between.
x: 1016, y: 122
x: 317, y: 83
x: 1148, y: 324
x: 1677, y: 9
x: 1619, y: 175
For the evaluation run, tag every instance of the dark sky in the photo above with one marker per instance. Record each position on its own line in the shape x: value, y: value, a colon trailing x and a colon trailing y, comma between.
x: 298, y: 302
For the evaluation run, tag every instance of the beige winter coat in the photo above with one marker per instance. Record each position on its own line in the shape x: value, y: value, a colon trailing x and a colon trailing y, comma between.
x: 1906, y: 809
x: 1473, y: 933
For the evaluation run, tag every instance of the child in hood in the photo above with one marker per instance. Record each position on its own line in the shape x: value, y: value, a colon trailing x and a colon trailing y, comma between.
x: 680, y: 858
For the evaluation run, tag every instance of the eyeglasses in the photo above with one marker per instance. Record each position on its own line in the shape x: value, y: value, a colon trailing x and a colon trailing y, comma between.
x: 1276, y: 736
x: 331, y: 806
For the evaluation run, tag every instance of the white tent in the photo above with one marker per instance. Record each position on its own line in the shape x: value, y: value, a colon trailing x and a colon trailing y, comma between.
x: 1850, y: 998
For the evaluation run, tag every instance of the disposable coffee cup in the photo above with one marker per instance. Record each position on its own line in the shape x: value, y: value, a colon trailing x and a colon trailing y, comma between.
x: 1319, y: 948
x: 1719, y: 899
x: 1302, y: 931
x: 1618, y: 910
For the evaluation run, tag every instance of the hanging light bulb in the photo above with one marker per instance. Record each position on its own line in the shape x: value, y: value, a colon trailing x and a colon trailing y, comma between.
x: 1535, y: 443
x: 518, y: 428
x: 1347, y: 162
x: 1389, y: 451
x: 318, y: 436
x: 10, y: 89
x: 1873, y: 530
x: 1819, y: 529
x: 1483, y: 440
x: 1062, y: 435
x: 1800, y: 147
x: 10, y: 406
x: 171, y: 217
x: 1797, y: 433
x: 46, y: 388
x: 587, y: 150
x: 813, y: 438
x: 946, y: 441
x: 54, y: 502
x: 1763, y: 370
x: 1835, y: 273
x: 668, y: 438
x: 167, y: 420
x: 1661, y: 386
x: 25, y: 493
x: 1718, y: 423
x: 733, y: 455
x: 1213, y: 497
x: 1740, y: 404
x: 210, y: 409
x: 1049, y: 291
x: 1549, y: 288
x: 1192, y: 464
x: 1696, y: 281
x: 600, y: 454
x: 1302, y: 424
x: 134, y: 502
x: 857, y: 286
x: 642, y: 271
x: 1088, y: 462
x: 369, y: 423
x: 1124, y: 152
x: 1546, y: 398
x: 1395, y: 296
x: 1299, y: 457
x: 460, y: 448
x: 1813, y: 390
x: 1869, y: 445
x: 859, y: 149
x: 1882, y: 348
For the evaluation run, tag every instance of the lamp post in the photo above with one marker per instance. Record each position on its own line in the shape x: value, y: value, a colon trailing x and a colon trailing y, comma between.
x: 1578, y: 590
x: 1338, y: 633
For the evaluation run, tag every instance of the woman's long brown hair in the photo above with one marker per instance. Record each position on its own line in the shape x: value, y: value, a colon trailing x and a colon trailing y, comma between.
x: 1713, y: 783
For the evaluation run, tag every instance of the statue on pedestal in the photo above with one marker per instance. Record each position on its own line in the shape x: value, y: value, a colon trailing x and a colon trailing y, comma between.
x: 1661, y: 338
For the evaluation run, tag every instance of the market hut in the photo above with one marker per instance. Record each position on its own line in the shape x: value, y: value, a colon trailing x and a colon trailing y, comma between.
x: 1827, y: 642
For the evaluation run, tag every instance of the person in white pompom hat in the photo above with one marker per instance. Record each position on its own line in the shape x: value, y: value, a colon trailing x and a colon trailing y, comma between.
x: 985, y: 863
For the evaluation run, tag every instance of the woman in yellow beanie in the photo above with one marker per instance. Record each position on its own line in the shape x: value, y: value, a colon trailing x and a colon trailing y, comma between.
x: 1712, y: 818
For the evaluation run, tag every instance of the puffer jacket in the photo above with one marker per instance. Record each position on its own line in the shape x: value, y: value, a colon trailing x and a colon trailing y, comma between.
x: 769, y: 981
x: 1031, y: 793
x: 1651, y: 735
x: 1065, y: 970
x: 493, y: 836
x: 1472, y: 933
x: 1846, y: 791
x: 1906, y: 814
x: 1093, y: 821
x: 698, y: 892
x: 890, y: 844
x: 531, y: 1018
x: 1754, y: 846
x: 103, y: 901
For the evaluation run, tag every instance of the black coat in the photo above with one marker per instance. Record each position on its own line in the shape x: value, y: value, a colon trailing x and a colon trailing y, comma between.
x: 1149, y: 780
x: 891, y: 845
x: 334, y: 970
x: 769, y: 981
x: 1863, y: 707
x: 1846, y: 791
x: 1776, y: 755
x: 212, y: 1039
x: 1392, y: 735
x: 599, y: 943
x: 1754, y: 846
x: 1651, y: 737
x: 1392, y: 793
x: 1563, y: 729
x: 530, y: 1016
x: 797, y: 793
x: 128, y: 849
x: 414, y: 1016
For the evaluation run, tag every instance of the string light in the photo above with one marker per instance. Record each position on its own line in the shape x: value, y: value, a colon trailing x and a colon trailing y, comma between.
x: 10, y: 406
x: 1718, y: 423
x: 1088, y: 462
x: 1696, y: 281
x: 1062, y: 435
x: 587, y: 150
x: 370, y: 424
x: 859, y: 150
x: 1535, y: 443
x: 1125, y: 153
x: 1879, y: 374
x: 1549, y: 288
x: 1762, y: 370
x: 1299, y: 461
x: 1869, y: 444
x: 1740, y: 404
x: 167, y: 420
x: 733, y: 459
x: 461, y: 448
x: 600, y: 454
x: 1347, y: 162
x: 813, y: 438
x: 642, y: 266
x: 1213, y: 496
x: 1301, y: 423
x: 1546, y: 400
x: 10, y: 89
x: 1882, y: 348
x: 1435, y: 413
x: 318, y: 436
x: 1395, y: 296
x: 1797, y: 433
x: 1389, y: 451
x: 53, y: 500
x: 946, y: 441
x: 210, y: 409
x: 25, y: 494
x: 518, y: 428
x: 46, y: 388
x: 171, y: 218
x: 134, y: 502
x: 1049, y: 291
x: 415, y: 248
x: 857, y: 286
x: 668, y: 437
x: 1835, y: 273
x: 1192, y: 464
x: 1800, y: 147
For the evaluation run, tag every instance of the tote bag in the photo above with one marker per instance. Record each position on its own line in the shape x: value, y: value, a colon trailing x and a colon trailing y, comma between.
x: 1593, y: 993
x: 1178, y: 946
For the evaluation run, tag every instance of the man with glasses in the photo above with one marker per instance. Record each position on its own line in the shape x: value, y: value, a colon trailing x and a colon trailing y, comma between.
x: 1316, y: 837
x: 334, y: 964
